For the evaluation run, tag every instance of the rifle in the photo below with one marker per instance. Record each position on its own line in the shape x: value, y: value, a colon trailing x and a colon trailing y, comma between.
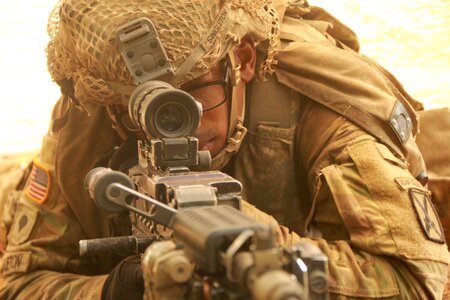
x: 196, y: 242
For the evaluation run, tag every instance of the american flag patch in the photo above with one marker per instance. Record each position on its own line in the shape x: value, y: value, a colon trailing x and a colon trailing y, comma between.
x: 39, y: 183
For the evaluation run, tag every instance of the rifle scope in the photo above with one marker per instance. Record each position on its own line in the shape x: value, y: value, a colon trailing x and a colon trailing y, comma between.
x: 163, y: 111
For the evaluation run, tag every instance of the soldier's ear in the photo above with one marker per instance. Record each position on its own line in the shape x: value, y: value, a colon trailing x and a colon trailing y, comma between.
x: 246, y: 57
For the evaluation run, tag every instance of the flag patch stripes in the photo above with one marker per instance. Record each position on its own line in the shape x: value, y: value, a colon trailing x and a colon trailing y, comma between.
x: 39, y: 183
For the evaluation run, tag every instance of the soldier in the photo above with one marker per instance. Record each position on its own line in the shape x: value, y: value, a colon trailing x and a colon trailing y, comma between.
x: 328, y: 152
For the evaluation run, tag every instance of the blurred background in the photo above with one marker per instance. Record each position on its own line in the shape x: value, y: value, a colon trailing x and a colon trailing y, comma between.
x: 410, y: 38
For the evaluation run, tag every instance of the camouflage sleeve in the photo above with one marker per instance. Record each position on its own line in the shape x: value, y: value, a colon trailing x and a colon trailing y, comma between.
x: 375, y: 220
x: 41, y: 256
x: 53, y: 285
x: 52, y: 214
x: 12, y: 168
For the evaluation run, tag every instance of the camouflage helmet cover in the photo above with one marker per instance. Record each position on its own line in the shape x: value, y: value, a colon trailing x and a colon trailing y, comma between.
x: 82, y: 44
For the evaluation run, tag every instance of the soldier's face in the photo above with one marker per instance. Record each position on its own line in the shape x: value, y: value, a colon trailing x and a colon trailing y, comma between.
x: 213, y: 130
x: 210, y: 91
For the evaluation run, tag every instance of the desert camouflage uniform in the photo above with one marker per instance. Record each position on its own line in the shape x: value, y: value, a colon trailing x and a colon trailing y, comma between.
x: 324, y: 177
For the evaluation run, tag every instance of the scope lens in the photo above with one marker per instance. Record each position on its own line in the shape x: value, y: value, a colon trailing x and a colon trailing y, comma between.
x: 171, y: 118
x: 162, y: 111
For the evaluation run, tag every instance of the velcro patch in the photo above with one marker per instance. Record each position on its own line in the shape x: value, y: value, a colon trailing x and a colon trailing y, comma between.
x: 16, y: 262
x: 427, y: 215
x: 407, y: 183
x: 39, y: 184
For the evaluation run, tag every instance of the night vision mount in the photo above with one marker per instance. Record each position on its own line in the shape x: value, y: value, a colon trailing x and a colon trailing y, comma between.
x: 167, y: 116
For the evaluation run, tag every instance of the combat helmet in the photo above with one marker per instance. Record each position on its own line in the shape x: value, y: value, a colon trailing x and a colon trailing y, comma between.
x: 196, y: 35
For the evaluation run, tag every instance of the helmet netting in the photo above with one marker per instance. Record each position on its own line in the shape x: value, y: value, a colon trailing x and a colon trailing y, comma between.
x: 82, y: 38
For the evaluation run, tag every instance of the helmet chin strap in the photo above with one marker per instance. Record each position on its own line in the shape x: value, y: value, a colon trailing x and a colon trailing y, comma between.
x: 236, y: 129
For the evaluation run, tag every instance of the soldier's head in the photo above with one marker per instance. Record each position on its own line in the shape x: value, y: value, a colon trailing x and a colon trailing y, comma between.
x: 206, y: 41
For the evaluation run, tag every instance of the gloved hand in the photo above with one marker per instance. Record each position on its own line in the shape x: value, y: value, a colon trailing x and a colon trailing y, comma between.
x: 125, y: 281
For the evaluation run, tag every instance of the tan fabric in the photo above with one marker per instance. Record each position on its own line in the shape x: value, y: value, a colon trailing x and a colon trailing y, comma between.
x: 78, y: 148
x: 363, y: 223
x: 379, y: 170
x: 313, y: 177
x: 12, y: 168
x: 195, y: 36
x: 44, y: 237
x: 343, y: 80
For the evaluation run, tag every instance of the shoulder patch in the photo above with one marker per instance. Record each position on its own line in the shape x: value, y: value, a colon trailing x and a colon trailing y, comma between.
x: 427, y: 215
x: 39, y: 184
x: 23, y: 224
x: 17, y: 262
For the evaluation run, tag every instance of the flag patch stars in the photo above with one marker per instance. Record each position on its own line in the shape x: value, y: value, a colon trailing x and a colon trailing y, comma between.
x: 39, y: 183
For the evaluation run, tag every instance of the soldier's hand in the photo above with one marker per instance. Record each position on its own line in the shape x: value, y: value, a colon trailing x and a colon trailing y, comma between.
x: 125, y: 281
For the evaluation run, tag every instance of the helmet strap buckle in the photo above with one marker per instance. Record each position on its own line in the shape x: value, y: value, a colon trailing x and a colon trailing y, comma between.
x: 235, y: 141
